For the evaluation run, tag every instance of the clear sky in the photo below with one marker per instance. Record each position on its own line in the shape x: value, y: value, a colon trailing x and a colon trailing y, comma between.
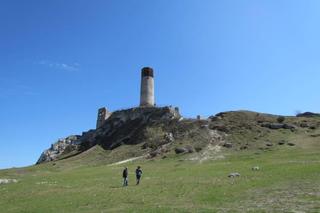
x: 61, y: 60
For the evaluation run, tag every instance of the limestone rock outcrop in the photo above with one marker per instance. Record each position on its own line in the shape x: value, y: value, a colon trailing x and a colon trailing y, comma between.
x: 122, y: 127
x: 62, y: 146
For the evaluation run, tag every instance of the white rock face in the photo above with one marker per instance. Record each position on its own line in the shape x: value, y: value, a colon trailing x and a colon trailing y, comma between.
x: 6, y: 181
x: 72, y: 142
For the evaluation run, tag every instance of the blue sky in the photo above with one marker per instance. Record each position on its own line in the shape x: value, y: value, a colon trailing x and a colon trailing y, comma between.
x: 62, y: 60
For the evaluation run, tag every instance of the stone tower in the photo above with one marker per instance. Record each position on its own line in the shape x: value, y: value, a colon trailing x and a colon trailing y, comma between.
x: 147, y: 88
x: 103, y: 115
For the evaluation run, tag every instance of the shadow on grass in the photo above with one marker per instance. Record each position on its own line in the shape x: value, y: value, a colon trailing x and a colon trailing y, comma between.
x: 117, y: 187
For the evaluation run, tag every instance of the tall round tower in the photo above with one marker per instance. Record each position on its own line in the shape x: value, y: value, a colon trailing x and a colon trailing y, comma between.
x: 147, y: 87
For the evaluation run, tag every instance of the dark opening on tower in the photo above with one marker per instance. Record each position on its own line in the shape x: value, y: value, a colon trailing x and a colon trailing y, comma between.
x: 147, y: 71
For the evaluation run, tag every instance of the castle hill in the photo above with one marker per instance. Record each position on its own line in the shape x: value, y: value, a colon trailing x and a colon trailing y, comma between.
x: 178, y: 106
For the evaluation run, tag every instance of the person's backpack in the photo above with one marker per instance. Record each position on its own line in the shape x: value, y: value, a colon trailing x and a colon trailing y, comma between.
x: 139, y: 172
x: 125, y: 173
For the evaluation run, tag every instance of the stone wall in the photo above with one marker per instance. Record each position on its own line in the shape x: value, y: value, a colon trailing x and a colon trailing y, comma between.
x: 103, y: 115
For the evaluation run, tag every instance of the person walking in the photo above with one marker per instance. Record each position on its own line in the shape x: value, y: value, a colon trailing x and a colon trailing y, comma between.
x: 138, y: 174
x: 125, y: 176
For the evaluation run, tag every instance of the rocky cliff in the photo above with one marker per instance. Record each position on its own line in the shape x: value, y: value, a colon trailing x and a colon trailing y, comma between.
x: 60, y: 148
x: 128, y: 126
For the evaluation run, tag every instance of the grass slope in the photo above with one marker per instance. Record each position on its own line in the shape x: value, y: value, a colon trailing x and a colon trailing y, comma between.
x: 288, y: 181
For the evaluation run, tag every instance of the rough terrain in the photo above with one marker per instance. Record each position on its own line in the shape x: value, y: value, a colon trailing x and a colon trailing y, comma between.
x: 237, y: 161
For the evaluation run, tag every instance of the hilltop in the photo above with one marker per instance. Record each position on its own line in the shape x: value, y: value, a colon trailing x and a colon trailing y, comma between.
x: 160, y: 132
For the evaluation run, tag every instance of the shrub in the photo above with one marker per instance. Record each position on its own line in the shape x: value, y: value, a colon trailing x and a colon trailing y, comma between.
x: 280, y: 119
x: 198, y: 148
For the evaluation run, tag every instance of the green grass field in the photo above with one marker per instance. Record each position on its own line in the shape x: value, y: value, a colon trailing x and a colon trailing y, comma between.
x: 288, y: 181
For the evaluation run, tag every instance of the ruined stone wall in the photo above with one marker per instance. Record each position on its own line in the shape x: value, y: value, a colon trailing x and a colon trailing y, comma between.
x: 103, y: 115
x: 167, y: 112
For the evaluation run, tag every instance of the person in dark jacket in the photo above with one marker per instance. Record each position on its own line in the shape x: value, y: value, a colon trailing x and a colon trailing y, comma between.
x: 138, y: 174
x: 125, y: 176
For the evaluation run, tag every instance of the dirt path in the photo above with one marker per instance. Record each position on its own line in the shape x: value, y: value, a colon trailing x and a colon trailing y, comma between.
x: 127, y: 160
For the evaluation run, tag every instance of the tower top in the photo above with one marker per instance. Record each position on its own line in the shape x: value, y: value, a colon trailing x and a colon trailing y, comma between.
x: 146, y: 71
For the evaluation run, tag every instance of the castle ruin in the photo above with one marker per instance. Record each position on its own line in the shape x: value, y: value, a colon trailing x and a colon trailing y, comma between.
x: 146, y: 95
x: 103, y: 115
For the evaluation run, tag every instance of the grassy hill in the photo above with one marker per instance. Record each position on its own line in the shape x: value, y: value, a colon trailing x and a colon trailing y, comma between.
x: 288, y: 179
